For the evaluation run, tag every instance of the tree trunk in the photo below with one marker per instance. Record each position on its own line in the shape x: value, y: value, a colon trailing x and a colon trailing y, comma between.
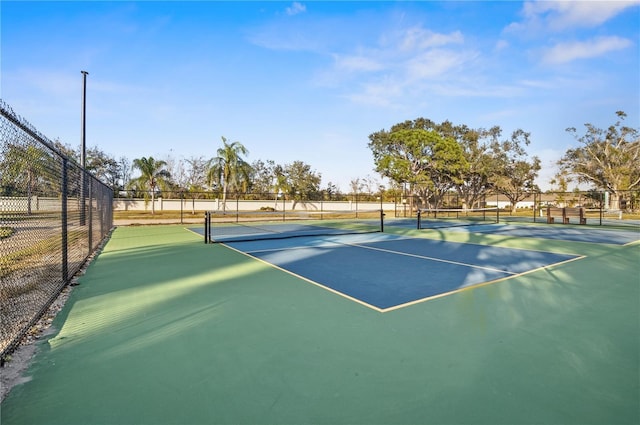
x: 224, y: 196
x: 29, y: 194
x: 614, y: 201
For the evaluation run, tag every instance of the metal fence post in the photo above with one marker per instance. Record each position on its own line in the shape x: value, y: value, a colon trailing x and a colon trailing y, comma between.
x: 34, y: 156
x: 64, y: 224
x: 90, y: 188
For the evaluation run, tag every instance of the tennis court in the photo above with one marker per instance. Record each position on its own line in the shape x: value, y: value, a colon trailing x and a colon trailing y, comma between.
x: 387, y: 272
x: 565, y: 233
x: 571, y: 233
x: 396, y: 327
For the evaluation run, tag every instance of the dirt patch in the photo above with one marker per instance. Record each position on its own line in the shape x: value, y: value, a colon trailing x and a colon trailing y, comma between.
x: 13, y: 370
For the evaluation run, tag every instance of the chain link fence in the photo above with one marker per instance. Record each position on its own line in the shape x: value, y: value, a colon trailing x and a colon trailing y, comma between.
x: 620, y: 209
x: 601, y: 208
x: 53, y: 216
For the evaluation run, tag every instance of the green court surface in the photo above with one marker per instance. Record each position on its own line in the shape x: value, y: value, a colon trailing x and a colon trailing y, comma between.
x: 164, y: 329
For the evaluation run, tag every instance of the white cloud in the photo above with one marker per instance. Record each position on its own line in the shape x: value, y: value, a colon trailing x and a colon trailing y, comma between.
x: 435, y: 63
x: 400, y: 66
x: 561, y: 15
x: 419, y: 38
x: 357, y: 63
x: 295, y: 8
x: 501, y: 45
x: 378, y: 93
x: 570, y: 51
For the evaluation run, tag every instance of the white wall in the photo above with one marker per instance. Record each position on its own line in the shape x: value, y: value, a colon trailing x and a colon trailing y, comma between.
x: 245, y: 205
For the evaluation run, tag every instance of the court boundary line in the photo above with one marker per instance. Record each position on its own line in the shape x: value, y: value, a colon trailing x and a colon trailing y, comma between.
x: 390, y: 251
x: 190, y: 229
x: 405, y: 237
x: 498, y: 245
x: 477, y: 285
x: 424, y: 257
x: 306, y: 279
x: 399, y: 306
x: 542, y: 226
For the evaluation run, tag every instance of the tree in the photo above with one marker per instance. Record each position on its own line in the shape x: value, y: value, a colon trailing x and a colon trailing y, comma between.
x: 229, y: 170
x: 263, y: 176
x: 196, y: 174
x: 281, y: 185
x: 356, y: 186
x: 125, y: 168
x: 176, y: 167
x: 514, y: 173
x: 27, y: 170
x: 299, y: 182
x: 153, y: 176
x: 431, y: 163
x: 331, y: 191
x: 608, y: 159
x: 475, y: 180
x: 67, y: 150
x: 104, y: 167
x: 370, y: 185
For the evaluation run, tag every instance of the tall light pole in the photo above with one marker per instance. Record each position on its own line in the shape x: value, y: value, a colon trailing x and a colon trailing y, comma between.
x: 83, y: 150
x: 83, y: 153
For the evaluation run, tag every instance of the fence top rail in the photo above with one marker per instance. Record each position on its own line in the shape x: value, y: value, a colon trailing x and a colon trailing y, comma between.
x: 7, y: 112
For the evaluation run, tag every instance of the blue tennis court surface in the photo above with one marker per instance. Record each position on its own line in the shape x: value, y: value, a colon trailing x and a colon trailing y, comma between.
x: 542, y: 231
x: 559, y: 232
x: 386, y: 271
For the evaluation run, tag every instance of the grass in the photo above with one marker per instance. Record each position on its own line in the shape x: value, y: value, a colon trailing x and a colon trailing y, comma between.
x: 5, y: 232
x: 31, y: 256
x: 129, y: 215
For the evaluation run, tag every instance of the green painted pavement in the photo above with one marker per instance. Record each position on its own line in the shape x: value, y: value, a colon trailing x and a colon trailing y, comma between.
x: 166, y: 330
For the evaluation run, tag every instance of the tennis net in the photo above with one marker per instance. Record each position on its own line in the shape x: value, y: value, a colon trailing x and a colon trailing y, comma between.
x: 260, y: 225
x: 443, y: 217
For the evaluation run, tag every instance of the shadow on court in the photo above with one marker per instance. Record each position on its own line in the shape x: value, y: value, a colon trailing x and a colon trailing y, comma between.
x: 164, y: 329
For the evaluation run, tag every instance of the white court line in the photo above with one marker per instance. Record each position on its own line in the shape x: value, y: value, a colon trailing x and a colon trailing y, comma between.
x: 424, y: 257
x: 326, y: 244
x: 406, y: 254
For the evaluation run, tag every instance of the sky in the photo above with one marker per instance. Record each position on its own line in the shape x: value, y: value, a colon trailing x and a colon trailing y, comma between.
x: 311, y: 80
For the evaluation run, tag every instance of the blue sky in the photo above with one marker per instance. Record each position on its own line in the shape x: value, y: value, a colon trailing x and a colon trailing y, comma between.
x: 311, y: 80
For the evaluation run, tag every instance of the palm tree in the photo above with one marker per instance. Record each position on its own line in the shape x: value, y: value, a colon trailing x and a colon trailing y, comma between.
x: 153, y: 176
x: 228, y: 169
x: 281, y: 186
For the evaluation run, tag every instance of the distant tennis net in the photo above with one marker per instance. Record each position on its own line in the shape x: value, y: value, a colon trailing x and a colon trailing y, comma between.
x: 443, y: 217
x: 259, y: 225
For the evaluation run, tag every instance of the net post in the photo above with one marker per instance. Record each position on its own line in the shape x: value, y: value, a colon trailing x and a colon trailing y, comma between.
x: 206, y: 227
x: 601, y: 206
x: 381, y: 220
x: 209, y: 238
x: 419, y: 214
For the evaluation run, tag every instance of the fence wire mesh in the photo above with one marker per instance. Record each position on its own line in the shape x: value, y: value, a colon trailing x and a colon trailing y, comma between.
x: 601, y: 208
x: 53, y: 216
